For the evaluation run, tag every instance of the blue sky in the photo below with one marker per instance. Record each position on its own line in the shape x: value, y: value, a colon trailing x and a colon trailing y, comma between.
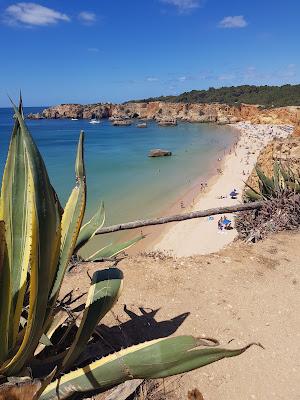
x: 100, y: 50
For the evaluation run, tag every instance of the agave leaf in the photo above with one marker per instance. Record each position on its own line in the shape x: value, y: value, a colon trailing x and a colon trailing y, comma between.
x: 281, y: 177
x: 5, y: 290
x: 287, y: 173
x: 266, y: 182
x: 155, y: 359
x: 276, y: 177
x: 57, y: 321
x: 43, y: 214
x: 15, y: 213
x: 252, y: 196
x: 251, y: 187
x: 45, y: 341
x: 104, y: 291
x: 88, y: 230
x: 71, y: 221
x: 294, y: 186
x: 113, y: 249
x: 44, y: 383
x: 252, y: 193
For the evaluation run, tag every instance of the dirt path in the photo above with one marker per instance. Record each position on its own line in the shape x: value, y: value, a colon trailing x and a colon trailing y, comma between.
x: 245, y: 292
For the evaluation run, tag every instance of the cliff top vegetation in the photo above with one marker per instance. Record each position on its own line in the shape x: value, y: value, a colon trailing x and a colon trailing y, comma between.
x: 267, y: 96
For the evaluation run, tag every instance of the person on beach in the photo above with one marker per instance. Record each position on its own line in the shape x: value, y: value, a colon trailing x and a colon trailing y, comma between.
x: 233, y: 194
x: 226, y: 223
x: 220, y: 224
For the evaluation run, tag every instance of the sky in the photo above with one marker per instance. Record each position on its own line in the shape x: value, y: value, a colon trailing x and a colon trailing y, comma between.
x: 75, y: 51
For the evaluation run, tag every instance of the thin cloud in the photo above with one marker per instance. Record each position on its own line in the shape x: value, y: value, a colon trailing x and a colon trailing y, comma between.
x: 237, y: 21
x: 93, y: 49
x: 226, y: 77
x: 87, y: 17
x: 184, y: 5
x: 32, y: 14
x: 151, y: 79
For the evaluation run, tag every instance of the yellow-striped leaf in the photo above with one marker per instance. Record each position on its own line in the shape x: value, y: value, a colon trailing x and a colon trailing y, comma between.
x: 156, y: 359
x: 44, y: 218
x: 113, y: 249
x: 88, y: 230
x: 105, y: 289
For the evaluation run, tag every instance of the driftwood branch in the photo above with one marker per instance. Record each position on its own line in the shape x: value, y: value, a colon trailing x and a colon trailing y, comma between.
x: 180, y: 217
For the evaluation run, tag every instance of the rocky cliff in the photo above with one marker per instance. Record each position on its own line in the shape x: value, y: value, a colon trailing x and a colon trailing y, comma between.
x: 296, y: 132
x: 79, y: 111
x: 220, y: 113
x: 286, y: 151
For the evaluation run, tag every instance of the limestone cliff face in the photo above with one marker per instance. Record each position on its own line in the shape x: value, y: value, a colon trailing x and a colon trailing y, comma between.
x: 286, y: 151
x: 75, y: 111
x: 296, y: 132
x: 220, y: 113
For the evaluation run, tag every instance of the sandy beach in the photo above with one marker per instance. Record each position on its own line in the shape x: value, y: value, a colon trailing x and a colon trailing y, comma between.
x: 202, y: 236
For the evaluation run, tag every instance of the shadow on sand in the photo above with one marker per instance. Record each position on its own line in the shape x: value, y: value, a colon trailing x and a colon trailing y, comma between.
x: 138, y: 329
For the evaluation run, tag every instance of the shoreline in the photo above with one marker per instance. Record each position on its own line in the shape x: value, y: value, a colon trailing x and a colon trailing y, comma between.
x: 188, y: 197
x: 201, y: 236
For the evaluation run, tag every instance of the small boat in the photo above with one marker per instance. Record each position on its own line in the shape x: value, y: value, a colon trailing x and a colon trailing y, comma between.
x: 142, y: 125
x: 94, y: 121
x: 74, y: 119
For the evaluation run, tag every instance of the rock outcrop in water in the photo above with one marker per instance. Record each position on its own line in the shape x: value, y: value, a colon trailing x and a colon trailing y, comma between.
x: 159, y: 153
x: 157, y: 110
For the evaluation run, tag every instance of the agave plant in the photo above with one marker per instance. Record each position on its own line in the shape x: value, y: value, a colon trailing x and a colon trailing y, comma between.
x: 283, y: 180
x: 37, y: 240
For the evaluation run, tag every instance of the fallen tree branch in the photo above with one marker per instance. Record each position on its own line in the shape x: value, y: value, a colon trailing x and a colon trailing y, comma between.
x: 180, y: 217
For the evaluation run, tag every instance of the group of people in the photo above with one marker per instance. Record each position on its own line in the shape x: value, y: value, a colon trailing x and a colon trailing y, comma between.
x: 224, y: 223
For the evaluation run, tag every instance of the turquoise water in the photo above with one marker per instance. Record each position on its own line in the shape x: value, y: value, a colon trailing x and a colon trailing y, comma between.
x: 119, y: 172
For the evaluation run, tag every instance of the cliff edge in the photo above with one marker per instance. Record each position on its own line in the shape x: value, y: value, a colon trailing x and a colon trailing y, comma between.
x: 189, y: 112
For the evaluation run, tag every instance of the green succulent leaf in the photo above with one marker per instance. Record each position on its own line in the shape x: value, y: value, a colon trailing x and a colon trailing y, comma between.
x: 88, y: 230
x: 58, y: 320
x: 252, y: 194
x: 17, y: 233
x: 113, y: 249
x: 71, y: 221
x: 41, y: 243
x: 294, y: 186
x: 156, y: 359
x: 5, y: 290
x: 277, y: 177
x: 105, y: 289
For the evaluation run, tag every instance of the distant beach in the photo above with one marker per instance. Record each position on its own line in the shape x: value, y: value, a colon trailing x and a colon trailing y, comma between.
x: 202, y: 236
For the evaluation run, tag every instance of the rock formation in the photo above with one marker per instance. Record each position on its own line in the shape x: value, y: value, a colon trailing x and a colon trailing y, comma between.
x: 162, y: 111
x: 286, y: 151
x: 159, y: 153
x: 296, y: 132
x: 167, y: 122
x: 121, y: 122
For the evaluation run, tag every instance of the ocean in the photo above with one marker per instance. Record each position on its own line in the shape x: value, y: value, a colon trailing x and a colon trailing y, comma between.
x: 119, y: 171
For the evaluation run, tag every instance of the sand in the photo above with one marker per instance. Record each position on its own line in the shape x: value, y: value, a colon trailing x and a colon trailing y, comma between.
x: 246, y: 292
x: 202, y: 236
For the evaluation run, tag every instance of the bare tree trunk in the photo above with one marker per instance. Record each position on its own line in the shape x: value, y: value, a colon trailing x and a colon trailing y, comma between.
x: 180, y: 217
